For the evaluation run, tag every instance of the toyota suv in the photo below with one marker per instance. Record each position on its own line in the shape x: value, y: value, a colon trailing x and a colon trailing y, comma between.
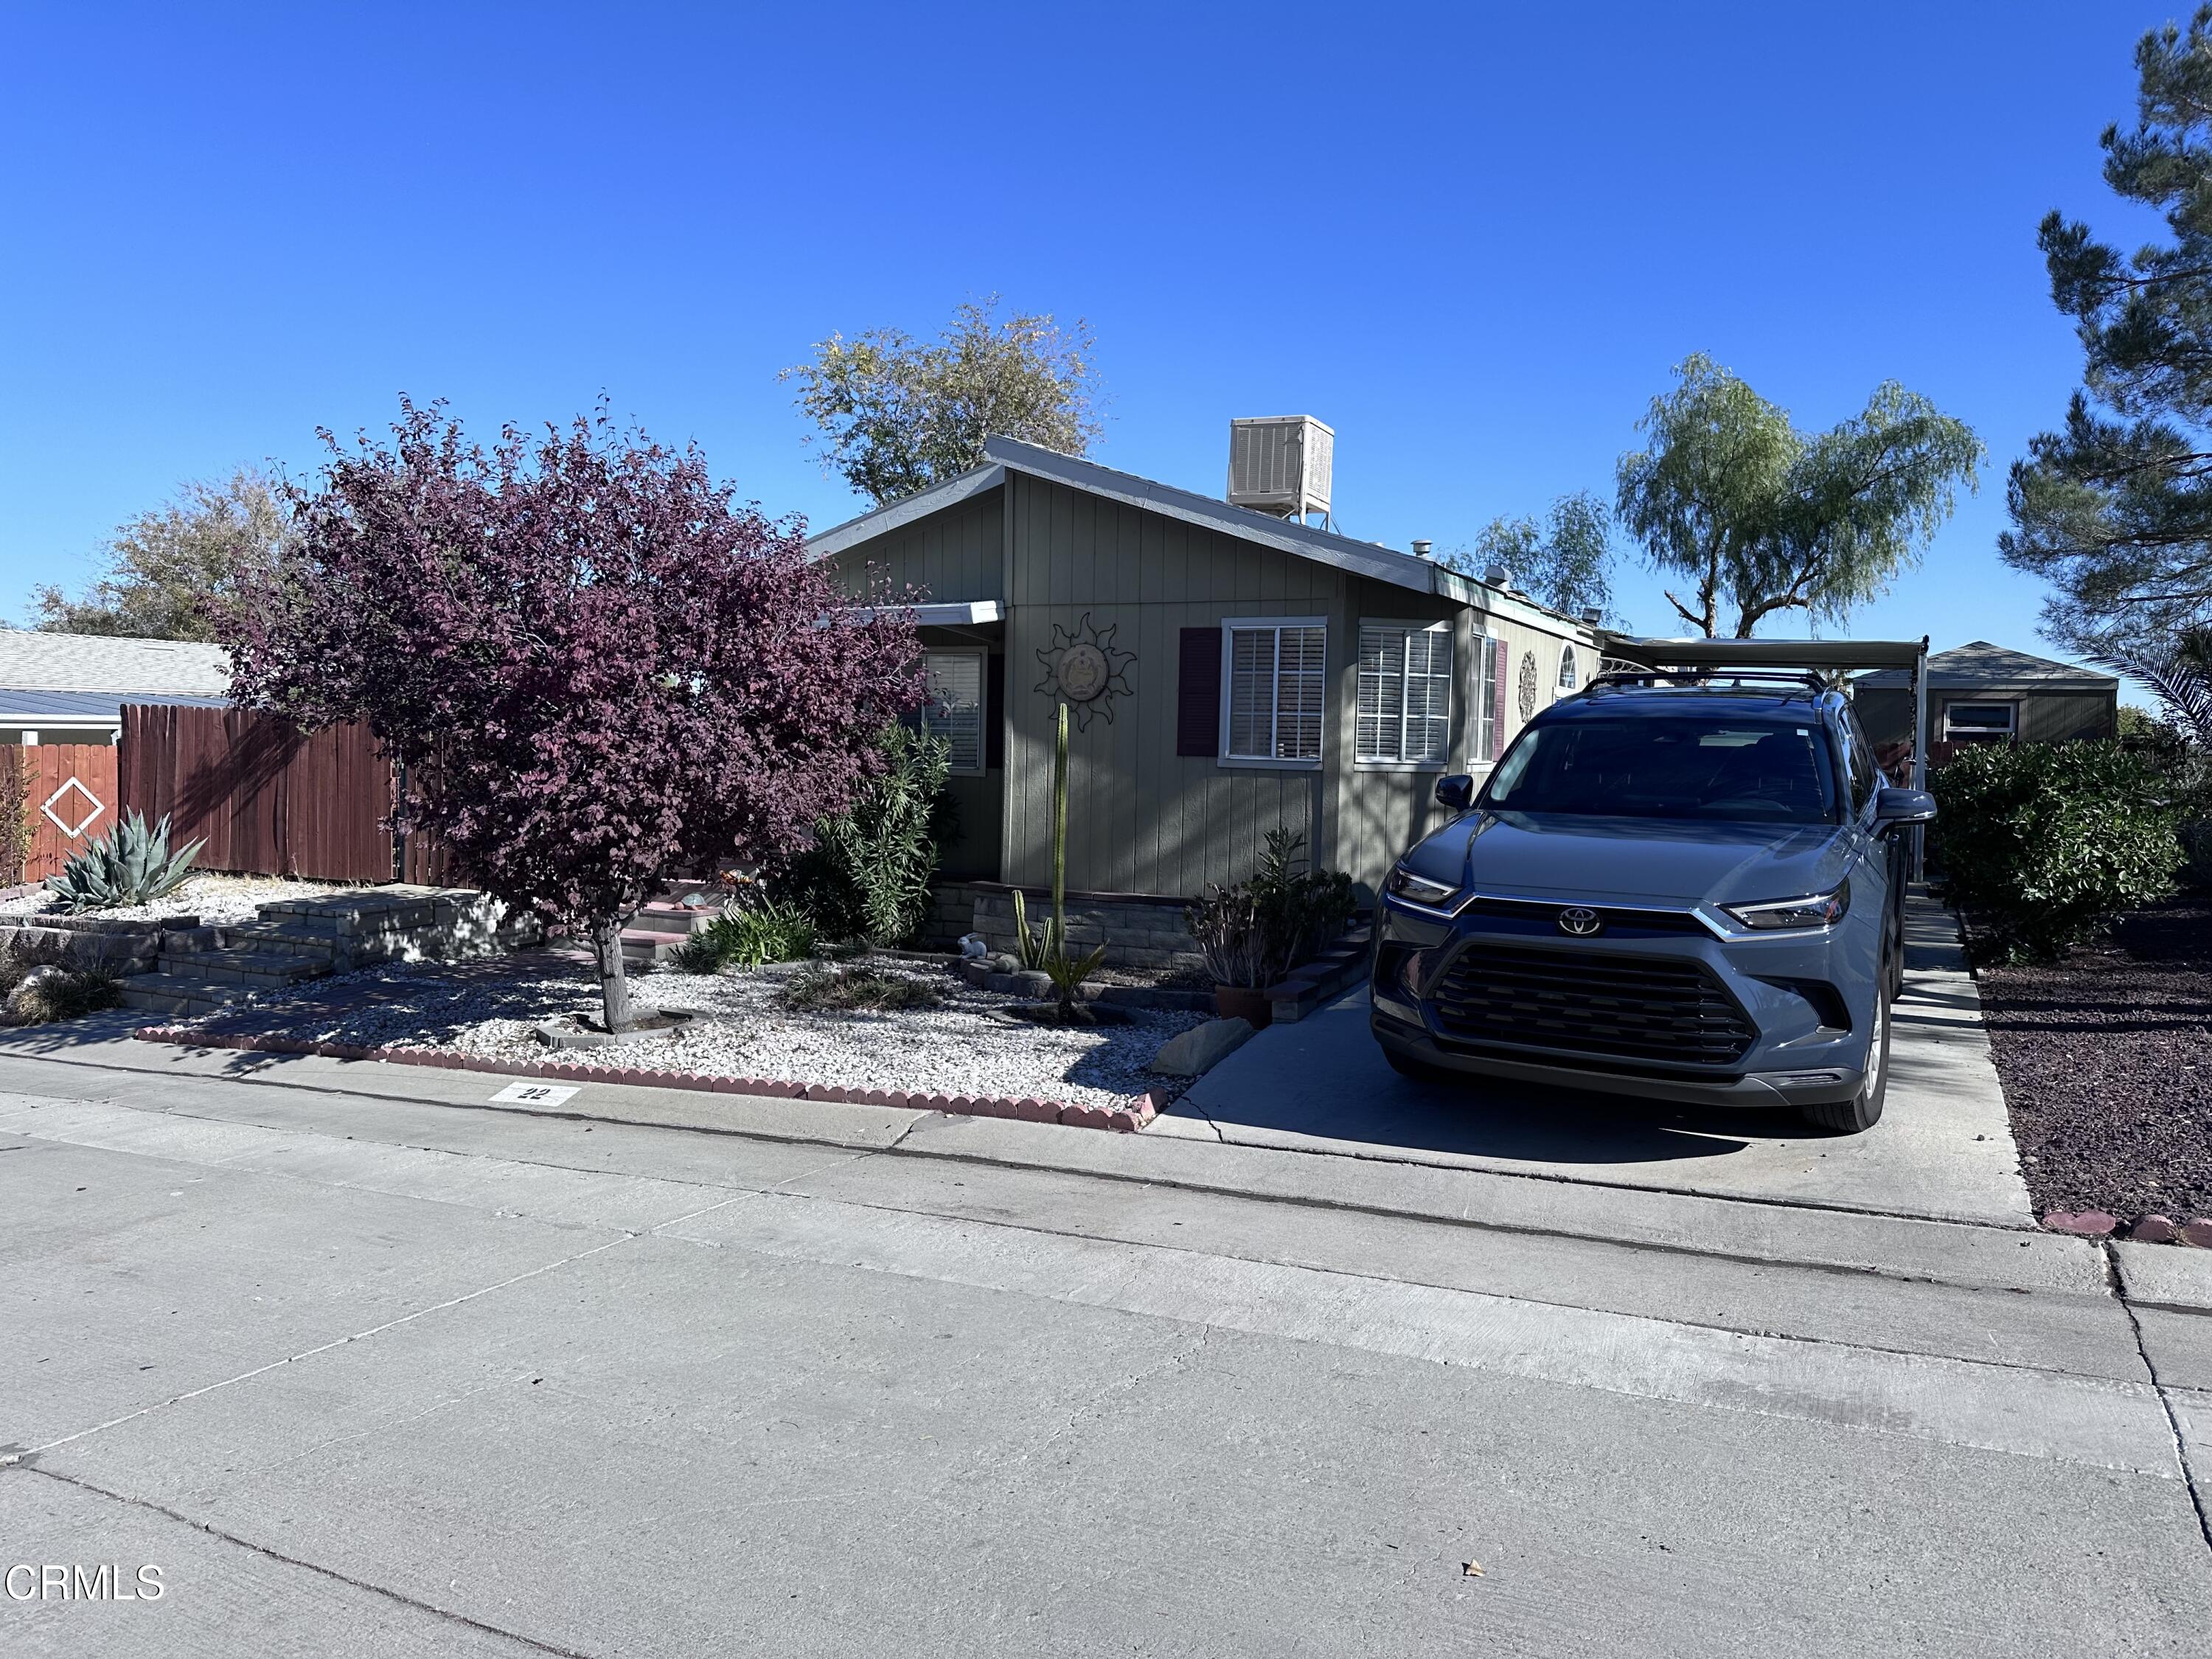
x: 1685, y: 892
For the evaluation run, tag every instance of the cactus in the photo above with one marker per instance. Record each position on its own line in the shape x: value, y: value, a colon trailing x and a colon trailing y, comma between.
x: 130, y: 865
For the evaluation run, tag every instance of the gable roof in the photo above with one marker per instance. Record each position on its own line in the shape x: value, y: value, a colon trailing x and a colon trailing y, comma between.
x: 1367, y: 559
x: 38, y: 661
x: 1981, y: 666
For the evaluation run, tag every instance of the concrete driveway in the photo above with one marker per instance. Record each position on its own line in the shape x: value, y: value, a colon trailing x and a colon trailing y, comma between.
x: 1943, y: 1149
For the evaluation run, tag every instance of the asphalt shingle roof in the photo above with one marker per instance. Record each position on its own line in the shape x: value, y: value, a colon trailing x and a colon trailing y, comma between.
x: 32, y: 661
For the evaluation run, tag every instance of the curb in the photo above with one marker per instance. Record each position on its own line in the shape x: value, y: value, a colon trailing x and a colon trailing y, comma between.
x: 1129, y: 1116
x: 2145, y: 1229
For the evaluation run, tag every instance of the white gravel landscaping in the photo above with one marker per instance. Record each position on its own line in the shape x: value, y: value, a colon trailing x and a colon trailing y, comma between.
x: 216, y: 900
x: 964, y: 1045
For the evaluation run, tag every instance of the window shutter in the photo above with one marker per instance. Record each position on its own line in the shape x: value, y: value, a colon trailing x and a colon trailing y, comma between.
x: 994, y: 713
x: 1198, y: 693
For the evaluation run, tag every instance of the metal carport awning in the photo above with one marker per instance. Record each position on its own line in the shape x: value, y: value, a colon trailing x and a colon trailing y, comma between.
x: 1839, y: 656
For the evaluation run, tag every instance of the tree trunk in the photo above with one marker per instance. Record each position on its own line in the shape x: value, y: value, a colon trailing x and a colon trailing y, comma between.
x: 614, y: 985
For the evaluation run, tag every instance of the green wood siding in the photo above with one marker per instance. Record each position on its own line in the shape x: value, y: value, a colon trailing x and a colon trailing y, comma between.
x: 1141, y: 818
x: 953, y: 556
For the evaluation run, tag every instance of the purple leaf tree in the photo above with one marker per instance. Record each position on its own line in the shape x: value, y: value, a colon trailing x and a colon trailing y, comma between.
x: 601, y: 670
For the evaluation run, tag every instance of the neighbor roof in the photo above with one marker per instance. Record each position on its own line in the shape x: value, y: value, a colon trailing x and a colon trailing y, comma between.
x: 1368, y: 559
x: 1981, y: 666
x: 34, y: 661
x: 83, y: 708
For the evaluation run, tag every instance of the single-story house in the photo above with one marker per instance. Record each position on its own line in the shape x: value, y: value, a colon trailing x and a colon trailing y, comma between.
x: 1984, y: 693
x: 1229, y: 673
x: 70, y: 687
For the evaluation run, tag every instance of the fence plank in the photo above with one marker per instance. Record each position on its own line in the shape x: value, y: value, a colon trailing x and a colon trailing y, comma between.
x: 269, y: 800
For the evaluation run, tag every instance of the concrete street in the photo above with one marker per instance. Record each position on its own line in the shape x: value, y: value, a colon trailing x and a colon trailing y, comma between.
x: 367, y: 1365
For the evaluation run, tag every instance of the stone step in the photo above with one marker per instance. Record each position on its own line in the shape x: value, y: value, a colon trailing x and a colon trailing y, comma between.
x: 255, y: 969
x: 178, y: 993
x: 269, y: 938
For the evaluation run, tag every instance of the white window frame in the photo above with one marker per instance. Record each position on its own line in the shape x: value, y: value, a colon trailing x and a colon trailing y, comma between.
x: 982, y: 707
x: 2008, y: 731
x: 1230, y: 625
x: 1568, y: 661
x: 1488, y: 708
x: 1407, y: 626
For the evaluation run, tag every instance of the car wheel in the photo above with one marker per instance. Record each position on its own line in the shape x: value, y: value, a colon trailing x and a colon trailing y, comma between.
x: 1419, y: 1070
x: 1864, y: 1110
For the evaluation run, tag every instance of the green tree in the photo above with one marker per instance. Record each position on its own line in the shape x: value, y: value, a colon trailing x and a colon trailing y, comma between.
x: 1762, y: 518
x: 168, y: 568
x: 2115, y: 511
x: 1564, y: 562
x: 897, y: 416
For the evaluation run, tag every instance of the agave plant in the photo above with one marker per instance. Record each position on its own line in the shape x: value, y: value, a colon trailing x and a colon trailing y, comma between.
x: 130, y: 865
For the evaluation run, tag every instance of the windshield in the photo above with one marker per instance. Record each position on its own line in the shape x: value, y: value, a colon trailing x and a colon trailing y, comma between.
x: 1679, y: 767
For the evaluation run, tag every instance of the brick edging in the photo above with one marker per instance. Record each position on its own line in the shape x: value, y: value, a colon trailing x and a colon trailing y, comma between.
x: 1133, y: 1112
x: 2145, y: 1229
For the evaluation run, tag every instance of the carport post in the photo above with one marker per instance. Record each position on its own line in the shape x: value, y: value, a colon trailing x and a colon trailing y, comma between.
x: 1920, y: 754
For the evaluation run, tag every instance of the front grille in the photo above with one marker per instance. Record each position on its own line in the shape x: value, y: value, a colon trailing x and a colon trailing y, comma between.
x: 1625, y: 1007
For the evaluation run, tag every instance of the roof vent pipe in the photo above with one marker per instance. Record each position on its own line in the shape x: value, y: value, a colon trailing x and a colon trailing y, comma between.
x: 1421, y: 548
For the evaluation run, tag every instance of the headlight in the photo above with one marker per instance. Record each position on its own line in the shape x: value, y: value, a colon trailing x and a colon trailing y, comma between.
x: 1820, y: 910
x: 1402, y: 882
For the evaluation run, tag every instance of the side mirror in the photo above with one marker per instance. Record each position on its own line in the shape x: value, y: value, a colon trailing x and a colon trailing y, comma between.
x: 1893, y: 806
x: 1456, y: 790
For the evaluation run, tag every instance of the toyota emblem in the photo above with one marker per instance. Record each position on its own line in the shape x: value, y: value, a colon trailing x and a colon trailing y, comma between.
x: 1580, y: 920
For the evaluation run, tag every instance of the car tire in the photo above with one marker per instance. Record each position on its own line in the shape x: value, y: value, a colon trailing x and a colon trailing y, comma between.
x: 1419, y: 1070
x: 1864, y: 1110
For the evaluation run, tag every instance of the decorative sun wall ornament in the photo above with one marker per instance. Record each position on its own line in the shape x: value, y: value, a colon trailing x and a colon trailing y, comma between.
x: 1082, y: 668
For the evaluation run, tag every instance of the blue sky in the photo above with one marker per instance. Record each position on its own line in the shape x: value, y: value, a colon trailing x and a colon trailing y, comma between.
x: 1474, y: 238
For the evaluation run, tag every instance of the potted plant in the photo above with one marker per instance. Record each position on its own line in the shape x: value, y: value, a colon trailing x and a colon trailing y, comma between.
x: 1253, y: 933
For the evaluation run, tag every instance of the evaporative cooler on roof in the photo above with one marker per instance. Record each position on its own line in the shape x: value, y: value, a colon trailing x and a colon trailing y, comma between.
x: 1280, y: 463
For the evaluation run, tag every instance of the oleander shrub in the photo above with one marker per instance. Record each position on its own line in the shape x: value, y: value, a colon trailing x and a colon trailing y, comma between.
x: 868, y: 875
x: 2044, y: 844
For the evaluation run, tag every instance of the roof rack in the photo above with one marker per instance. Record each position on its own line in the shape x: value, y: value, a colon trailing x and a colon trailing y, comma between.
x: 1806, y: 680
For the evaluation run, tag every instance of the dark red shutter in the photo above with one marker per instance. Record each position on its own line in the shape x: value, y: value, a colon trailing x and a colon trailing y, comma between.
x: 1198, y: 693
x: 994, y: 713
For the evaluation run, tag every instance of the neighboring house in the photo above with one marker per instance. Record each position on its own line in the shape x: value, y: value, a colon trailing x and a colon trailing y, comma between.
x: 1984, y: 693
x: 70, y: 687
x: 1249, y: 672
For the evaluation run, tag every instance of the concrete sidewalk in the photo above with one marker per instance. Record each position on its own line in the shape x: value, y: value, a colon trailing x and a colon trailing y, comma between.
x: 1943, y: 1149
x: 368, y: 1364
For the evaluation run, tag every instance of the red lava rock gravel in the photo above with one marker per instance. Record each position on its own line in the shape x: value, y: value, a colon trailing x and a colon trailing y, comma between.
x: 2106, y: 1062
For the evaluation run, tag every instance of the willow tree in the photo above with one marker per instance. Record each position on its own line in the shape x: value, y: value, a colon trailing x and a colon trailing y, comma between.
x: 1760, y: 518
x: 2115, y: 510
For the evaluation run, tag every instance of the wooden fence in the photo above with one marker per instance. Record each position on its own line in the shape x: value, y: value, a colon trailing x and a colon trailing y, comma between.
x: 70, y: 801
x: 269, y: 800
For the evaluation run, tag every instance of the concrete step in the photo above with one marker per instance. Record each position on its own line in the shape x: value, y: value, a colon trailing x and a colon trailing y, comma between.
x: 640, y: 945
x: 681, y: 919
x: 255, y: 969
x: 179, y: 993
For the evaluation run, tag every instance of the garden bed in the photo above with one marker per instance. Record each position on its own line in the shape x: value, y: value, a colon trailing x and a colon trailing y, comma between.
x: 954, y: 1040
x: 2106, y: 1060
x: 219, y: 900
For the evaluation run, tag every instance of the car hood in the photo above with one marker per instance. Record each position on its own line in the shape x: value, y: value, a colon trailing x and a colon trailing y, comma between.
x: 1631, y: 860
